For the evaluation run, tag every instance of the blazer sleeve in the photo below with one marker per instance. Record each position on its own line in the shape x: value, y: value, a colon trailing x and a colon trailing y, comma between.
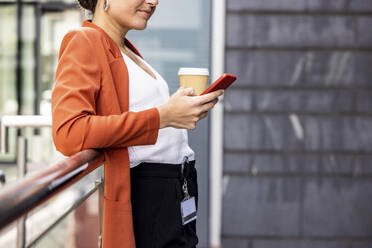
x: 75, y: 124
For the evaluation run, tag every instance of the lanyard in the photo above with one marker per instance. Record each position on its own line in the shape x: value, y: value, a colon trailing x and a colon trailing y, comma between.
x: 184, y: 186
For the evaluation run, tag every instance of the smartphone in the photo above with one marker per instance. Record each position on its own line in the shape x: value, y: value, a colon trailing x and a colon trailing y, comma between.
x: 221, y: 83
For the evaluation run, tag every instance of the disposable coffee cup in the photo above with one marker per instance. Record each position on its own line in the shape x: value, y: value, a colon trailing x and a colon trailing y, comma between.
x: 196, y: 78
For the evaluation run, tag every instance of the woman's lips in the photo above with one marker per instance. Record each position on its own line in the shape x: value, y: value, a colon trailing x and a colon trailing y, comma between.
x: 146, y: 13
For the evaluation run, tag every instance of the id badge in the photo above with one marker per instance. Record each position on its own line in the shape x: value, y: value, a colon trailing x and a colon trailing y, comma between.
x: 188, y: 210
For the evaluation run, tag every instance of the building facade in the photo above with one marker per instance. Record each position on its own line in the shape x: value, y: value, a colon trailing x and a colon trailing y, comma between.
x: 298, y: 126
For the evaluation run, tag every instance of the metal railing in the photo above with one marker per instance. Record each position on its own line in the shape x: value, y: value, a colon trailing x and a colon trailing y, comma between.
x: 31, y: 191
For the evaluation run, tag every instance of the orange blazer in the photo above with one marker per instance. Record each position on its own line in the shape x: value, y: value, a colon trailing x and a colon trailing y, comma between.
x: 90, y: 109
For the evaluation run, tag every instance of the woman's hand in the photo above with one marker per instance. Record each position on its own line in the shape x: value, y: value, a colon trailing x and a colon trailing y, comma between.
x: 184, y: 109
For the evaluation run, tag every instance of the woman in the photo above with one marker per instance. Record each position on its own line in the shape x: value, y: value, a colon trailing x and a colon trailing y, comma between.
x: 107, y: 97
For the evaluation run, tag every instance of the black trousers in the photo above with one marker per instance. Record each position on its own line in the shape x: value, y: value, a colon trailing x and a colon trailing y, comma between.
x: 156, y: 191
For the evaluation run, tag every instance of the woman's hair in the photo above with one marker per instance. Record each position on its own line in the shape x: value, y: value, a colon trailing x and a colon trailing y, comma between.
x: 88, y: 4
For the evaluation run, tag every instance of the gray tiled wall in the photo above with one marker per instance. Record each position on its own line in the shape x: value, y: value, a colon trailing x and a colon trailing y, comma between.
x: 298, y: 124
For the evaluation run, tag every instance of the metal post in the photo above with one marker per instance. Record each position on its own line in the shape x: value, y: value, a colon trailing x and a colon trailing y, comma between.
x: 4, y: 133
x: 216, y: 136
x: 100, y: 188
x: 21, y: 172
x: 2, y: 178
x: 37, y: 54
x: 19, y: 56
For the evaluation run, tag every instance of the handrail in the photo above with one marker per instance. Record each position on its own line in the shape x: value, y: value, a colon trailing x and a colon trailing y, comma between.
x: 32, y: 191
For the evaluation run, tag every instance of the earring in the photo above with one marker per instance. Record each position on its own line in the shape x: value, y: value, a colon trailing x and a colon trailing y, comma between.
x: 106, y: 5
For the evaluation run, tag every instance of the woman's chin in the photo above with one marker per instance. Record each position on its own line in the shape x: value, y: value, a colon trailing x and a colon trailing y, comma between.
x: 141, y: 25
x: 137, y: 25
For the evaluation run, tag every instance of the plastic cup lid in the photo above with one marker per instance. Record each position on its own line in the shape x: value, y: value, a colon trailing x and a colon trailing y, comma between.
x: 193, y: 71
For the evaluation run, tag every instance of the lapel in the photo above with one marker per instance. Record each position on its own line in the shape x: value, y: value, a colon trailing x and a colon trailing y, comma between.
x: 118, y: 68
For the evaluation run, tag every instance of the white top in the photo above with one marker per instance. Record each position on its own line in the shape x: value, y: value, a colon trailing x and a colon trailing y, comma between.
x: 145, y: 92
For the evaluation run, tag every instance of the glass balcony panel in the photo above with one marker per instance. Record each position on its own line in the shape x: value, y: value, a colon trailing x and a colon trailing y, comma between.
x: 82, y: 222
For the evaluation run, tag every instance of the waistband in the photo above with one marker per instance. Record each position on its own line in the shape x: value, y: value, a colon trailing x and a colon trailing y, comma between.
x: 163, y: 170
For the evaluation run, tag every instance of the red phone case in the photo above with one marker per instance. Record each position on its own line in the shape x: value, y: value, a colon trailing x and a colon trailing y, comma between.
x: 221, y: 83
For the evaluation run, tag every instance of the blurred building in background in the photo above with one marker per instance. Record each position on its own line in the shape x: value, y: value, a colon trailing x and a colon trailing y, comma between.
x: 297, y: 124
x: 29, y: 44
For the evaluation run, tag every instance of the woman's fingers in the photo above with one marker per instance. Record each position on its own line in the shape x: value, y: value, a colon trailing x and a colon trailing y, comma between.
x: 210, y: 96
x: 184, y: 109
x: 208, y: 106
x: 203, y: 115
x: 186, y: 91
